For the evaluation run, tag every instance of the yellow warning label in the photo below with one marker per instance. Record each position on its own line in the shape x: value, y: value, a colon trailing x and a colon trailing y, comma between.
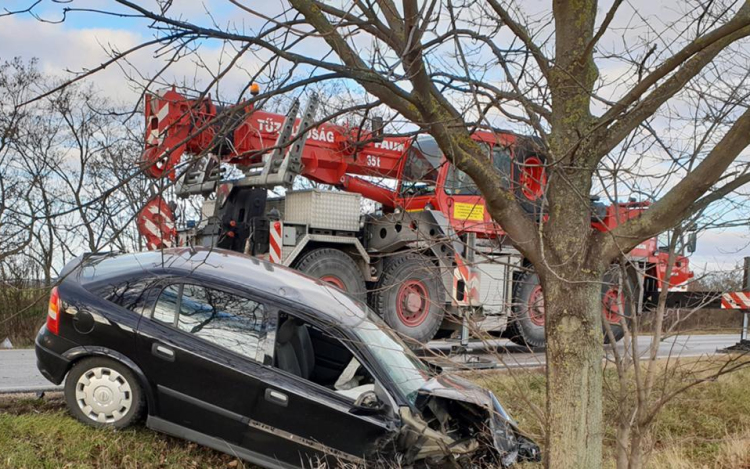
x: 474, y: 212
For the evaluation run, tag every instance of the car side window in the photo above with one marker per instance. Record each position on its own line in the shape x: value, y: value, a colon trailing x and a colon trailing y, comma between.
x: 129, y: 294
x: 320, y: 357
x: 166, y: 306
x: 230, y: 321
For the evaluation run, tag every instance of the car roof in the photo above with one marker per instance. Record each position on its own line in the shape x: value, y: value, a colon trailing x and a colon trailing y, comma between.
x: 237, y: 270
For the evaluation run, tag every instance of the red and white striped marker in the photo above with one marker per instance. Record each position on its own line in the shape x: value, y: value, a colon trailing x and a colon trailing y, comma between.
x: 471, y: 280
x: 735, y: 300
x: 274, y: 251
x: 156, y: 224
x: 167, y: 129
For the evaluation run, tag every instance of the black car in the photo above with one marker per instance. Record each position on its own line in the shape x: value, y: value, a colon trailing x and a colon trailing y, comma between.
x: 258, y: 361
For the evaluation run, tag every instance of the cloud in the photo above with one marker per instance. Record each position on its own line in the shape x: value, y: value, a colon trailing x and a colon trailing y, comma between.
x: 64, y: 52
x: 720, y: 250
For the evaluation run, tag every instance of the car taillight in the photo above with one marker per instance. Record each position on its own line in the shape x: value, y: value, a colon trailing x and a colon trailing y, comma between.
x: 53, y: 312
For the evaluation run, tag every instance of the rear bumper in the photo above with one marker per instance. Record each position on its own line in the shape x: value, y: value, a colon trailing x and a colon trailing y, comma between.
x: 51, y: 364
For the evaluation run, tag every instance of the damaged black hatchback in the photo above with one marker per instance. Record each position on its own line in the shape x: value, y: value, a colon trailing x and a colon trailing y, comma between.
x: 261, y: 362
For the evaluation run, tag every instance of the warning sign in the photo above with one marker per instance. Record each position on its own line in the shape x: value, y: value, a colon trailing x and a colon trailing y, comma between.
x: 473, y: 212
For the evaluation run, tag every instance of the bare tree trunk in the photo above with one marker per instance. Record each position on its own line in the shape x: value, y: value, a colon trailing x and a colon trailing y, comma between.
x: 637, y: 450
x: 574, y: 374
x: 623, y: 443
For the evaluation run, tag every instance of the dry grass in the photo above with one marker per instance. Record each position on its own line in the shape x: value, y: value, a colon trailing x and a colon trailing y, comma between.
x: 41, y: 434
x: 706, y: 427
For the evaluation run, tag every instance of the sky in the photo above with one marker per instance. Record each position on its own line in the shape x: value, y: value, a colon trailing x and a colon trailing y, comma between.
x: 80, y: 43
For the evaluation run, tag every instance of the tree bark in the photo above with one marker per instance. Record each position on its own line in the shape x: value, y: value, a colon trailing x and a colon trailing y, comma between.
x: 574, y: 373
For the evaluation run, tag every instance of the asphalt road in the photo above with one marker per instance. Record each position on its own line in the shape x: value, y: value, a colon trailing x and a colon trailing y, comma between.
x: 18, y: 372
x: 503, y: 353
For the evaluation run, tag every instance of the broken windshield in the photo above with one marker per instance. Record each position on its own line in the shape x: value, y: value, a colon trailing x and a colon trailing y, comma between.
x: 404, y: 368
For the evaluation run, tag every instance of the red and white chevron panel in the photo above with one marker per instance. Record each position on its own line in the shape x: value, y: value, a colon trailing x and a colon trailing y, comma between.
x: 155, y: 223
x: 274, y: 245
x: 471, y: 280
x: 735, y: 300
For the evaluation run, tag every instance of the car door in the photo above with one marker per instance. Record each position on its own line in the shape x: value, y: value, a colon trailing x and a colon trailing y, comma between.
x: 199, y: 348
x: 301, y: 423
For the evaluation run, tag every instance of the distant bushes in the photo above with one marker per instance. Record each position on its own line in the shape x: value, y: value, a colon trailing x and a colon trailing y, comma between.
x: 23, y: 304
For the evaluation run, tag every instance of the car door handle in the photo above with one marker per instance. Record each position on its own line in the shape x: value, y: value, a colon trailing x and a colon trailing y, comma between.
x: 277, y: 397
x: 162, y: 351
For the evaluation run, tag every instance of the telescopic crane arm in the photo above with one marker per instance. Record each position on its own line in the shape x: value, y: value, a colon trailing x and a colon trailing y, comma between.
x: 269, y: 148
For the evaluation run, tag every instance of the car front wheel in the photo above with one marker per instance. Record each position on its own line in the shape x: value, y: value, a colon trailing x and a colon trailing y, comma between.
x: 103, y: 393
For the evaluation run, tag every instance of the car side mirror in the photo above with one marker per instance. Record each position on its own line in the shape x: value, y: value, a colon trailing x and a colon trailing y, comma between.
x: 368, y: 403
x: 692, y: 241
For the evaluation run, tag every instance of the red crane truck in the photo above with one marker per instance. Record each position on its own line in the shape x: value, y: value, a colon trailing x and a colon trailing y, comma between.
x: 407, y: 259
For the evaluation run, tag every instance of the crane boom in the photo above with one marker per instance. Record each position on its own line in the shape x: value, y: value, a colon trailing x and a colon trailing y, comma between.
x: 331, y: 154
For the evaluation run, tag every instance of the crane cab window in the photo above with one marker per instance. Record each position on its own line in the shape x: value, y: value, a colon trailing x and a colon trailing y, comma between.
x: 421, y: 168
x: 459, y: 183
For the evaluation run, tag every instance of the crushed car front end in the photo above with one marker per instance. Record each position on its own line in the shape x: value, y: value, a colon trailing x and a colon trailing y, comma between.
x: 444, y: 421
x: 459, y: 424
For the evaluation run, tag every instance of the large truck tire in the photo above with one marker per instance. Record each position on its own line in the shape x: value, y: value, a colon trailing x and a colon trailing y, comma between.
x: 334, y: 267
x: 410, y: 297
x: 530, y: 181
x: 616, y: 308
x: 526, y: 325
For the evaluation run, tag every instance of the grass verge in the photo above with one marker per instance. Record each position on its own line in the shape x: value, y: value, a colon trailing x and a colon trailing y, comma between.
x: 706, y: 427
x: 39, y: 433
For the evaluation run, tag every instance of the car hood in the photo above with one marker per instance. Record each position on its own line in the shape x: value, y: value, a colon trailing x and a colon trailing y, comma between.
x: 457, y: 419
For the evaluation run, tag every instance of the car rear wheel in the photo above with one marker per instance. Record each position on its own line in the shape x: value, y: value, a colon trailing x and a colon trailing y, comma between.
x: 103, y: 393
x: 410, y: 296
x: 337, y: 268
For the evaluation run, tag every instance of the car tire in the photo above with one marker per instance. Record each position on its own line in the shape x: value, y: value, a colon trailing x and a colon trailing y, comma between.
x: 337, y: 268
x: 103, y: 393
x: 410, y: 297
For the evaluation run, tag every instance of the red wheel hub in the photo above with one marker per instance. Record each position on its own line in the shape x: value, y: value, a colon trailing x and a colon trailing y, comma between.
x: 335, y: 281
x: 613, y: 302
x: 412, y: 303
x: 533, y: 178
x: 535, y: 306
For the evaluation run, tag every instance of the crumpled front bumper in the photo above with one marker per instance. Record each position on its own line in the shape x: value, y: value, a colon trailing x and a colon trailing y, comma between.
x: 459, y: 422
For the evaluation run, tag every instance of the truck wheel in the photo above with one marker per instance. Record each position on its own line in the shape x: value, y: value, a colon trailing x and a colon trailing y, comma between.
x: 410, y: 297
x: 615, y: 306
x: 530, y: 179
x: 337, y: 268
x: 526, y: 324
